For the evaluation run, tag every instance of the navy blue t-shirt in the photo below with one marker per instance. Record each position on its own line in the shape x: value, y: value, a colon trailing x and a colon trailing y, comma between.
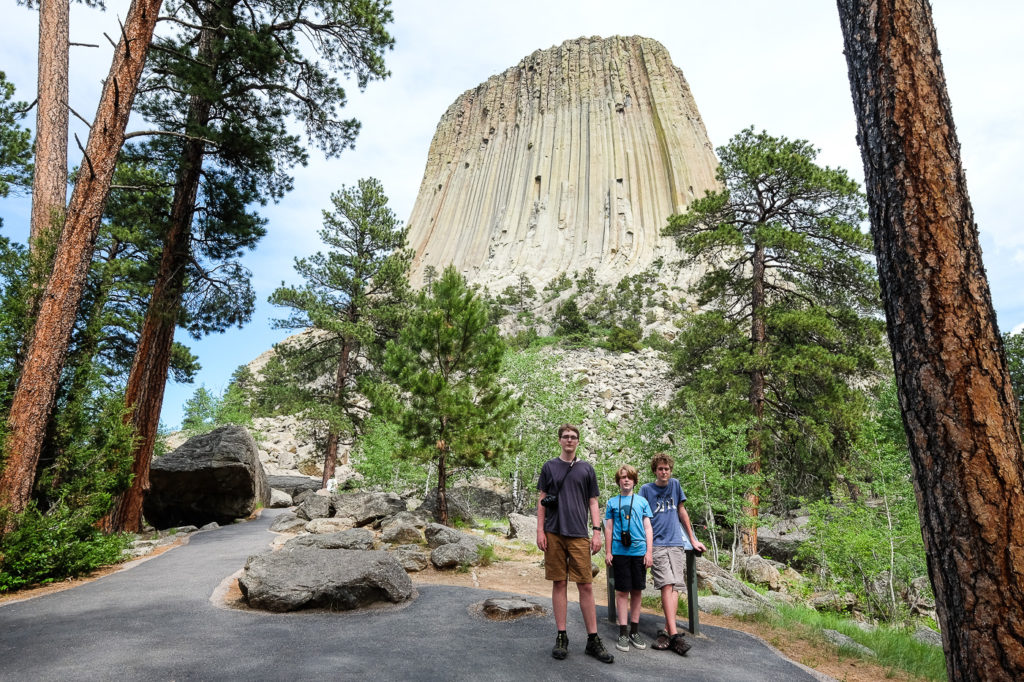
x: 572, y: 518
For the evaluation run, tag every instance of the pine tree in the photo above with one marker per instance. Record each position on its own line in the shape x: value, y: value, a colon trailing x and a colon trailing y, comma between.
x: 353, y: 300
x: 447, y: 359
x: 955, y: 387
x: 790, y: 320
x: 225, y: 86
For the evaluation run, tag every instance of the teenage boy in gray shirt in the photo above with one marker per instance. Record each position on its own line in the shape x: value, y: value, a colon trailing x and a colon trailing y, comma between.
x: 568, y: 538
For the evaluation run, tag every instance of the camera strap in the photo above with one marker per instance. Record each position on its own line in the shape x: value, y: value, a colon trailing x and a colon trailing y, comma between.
x: 629, y: 514
x: 559, y: 488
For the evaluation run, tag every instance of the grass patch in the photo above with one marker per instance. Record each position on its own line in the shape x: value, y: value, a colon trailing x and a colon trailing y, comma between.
x: 894, y: 647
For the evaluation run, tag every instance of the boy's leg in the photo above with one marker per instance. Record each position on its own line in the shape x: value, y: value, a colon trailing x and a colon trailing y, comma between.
x: 670, y: 604
x: 560, y: 602
x: 635, y: 598
x: 588, y: 607
x: 622, y: 603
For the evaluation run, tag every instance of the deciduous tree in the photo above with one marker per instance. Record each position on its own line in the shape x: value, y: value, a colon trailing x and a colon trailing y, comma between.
x: 955, y: 393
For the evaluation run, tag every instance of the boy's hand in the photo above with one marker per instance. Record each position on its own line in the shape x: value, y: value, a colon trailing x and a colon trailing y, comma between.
x: 608, y: 557
x: 542, y: 540
x: 595, y: 543
x: 648, y: 559
x: 699, y: 546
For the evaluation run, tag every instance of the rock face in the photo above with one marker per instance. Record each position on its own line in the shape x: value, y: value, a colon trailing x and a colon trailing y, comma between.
x: 573, y: 158
x: 216, y: 476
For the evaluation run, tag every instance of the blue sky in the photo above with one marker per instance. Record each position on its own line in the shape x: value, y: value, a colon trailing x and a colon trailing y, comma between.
x: 775, y: 65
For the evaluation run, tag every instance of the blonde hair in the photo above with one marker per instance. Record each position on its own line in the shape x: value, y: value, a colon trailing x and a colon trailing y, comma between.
x: 626, y: 471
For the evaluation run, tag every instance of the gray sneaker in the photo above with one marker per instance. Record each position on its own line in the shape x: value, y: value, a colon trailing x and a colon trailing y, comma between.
x: 622, y: 643
x: 636, y: 640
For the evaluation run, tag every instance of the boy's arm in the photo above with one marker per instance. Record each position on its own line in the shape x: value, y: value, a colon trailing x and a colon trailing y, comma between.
x: 649, y: 535
x: 595, y: 516
x: 542, y: 539
x: 609, y: 526
x: 684, y: 519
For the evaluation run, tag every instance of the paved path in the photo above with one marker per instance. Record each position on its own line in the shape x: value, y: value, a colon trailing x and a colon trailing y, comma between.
x: 155, y: 621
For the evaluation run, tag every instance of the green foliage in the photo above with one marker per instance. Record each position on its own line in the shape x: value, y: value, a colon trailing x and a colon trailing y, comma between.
x: 14, y: 315
x: 15, y: 142
x: 88, y: 463
x: 556, y: 286
x: 447, y: 361
x: 518, y: 296
x: 625, y: 338
x: 867, y: 538
x: 789, y: 297
x: 60, y: 544
x: 548, y: 399
x: 376, y: 457
x: 205, y: 411
x: 569, y: 322
x: 894, y: 647
x: 1013, y: 346
x: 354, y: 298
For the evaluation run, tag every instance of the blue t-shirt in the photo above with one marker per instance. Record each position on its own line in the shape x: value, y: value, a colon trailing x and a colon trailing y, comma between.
x: 617, y: 509
x: 668, y: 532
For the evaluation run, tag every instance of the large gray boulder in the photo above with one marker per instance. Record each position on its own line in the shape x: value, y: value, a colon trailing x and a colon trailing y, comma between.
x: 458, y: 509
x: 293, y: 485
x: 782, y: 540
x: 314, y: 507
x: 298, y: 577
x: 721, y: 582
x: 454, y: 555
x: 366, y: 508
x: 438, y: 535
x: 522, y: 527
x: 484, y: 498
x: 216, y: 476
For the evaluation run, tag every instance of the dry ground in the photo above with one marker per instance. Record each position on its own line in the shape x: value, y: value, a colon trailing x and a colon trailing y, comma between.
x: 518, y: 570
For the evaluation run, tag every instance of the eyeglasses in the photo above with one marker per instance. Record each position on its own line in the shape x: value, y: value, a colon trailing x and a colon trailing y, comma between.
x: 664, y: 468
x: 570, y: 437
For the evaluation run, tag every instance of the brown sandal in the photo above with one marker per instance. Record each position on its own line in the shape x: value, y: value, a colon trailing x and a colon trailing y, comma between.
x: 679, y: 645
x: 662, y: 642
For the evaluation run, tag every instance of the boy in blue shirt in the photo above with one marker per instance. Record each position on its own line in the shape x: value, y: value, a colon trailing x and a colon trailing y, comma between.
x: 628, y: 553
x: 669, y: 569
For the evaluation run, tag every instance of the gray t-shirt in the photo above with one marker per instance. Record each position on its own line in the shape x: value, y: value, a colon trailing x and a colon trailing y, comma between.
x: 572, y: 519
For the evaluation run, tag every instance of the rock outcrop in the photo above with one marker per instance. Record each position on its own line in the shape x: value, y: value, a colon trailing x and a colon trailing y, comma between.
x: 573, y: 158
x: 216, y: 476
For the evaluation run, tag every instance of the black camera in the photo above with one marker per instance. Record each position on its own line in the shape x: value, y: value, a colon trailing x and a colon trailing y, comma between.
x: 550, y: 502
x: 626, y: 539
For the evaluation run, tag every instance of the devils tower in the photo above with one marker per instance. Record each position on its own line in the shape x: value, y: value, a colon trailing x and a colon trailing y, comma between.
x: 573, y: 158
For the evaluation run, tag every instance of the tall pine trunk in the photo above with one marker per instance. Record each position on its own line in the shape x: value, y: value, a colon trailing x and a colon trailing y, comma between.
x: 147, y: 378
x: 50, y: 179
x: 333, y: 434
x: 954, y: 389
x: 752, y: 498
x: 34, y: 395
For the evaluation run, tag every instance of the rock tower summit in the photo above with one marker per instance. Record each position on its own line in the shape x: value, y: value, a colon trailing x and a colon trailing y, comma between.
x: 573, y: 158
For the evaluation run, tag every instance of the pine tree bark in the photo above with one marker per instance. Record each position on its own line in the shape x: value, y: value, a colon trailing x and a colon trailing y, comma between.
x: 50, y: 179
x: 333, y: 436
x: 147, y: 379
x: 33, y: 397
x: 752, y: 499
x: 958, y: 407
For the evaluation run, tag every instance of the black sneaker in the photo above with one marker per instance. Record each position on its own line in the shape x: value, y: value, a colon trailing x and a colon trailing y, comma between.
x: 595, y: 648
x: 561, y: 648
